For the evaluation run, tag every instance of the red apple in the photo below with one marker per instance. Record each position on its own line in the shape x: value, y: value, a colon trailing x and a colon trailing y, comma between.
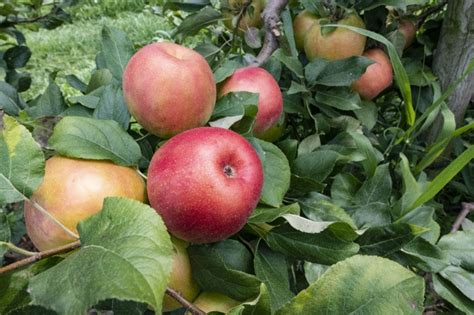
x: 377, y: 77
x: 302, y: 23
x: 204, y: 183
x: 73, y: 190
x: 181, y: 278
x: 169, y: 88
x: 257, y: 80
x: 408, y: 29
x: 338, y: 44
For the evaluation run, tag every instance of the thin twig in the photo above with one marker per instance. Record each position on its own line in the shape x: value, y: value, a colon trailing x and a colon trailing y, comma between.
x: 271, y: 20
x: 17, y: 249
x: 39, y: 256
x: 467, y: 207
x: 423, y: 16
x: 190, y: 306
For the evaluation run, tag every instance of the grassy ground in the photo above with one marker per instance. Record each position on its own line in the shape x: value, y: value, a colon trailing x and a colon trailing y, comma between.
x: 71, y: 48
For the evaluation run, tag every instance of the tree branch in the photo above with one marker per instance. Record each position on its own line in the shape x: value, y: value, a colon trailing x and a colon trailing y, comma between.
x: 39, y: 256
x: 431, y: 10
x: 467, y: 207
x: 190, y: 306
x: 271, y: 20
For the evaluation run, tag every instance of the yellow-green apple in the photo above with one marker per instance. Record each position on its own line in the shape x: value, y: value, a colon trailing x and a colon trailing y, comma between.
x: 275, y: 132
x: 408, y: 28
x: 181, y: 278
x: 302, y: 23
x: 215, y: 302
x: 339, y: 44
x: 169, y: 88
x: 270, y: 101
x: 251, y: 17
x: 204, y: 183
x: 377, y: 77
x: 73, y: 190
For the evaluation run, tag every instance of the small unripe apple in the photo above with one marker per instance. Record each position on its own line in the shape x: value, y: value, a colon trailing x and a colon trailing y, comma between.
x: 377, y: 77
x: 408, y: 28
x: 270, y: 100
x: 181, y: 278
x: 204, y: 183
x: 169, y: 88
x: 339, y: 44
x: 73, y: 190
x: 215, y: 302
x: 302, y: 23
x: 251, y: 18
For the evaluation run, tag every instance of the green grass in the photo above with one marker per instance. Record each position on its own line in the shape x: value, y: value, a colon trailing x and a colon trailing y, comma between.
x: 71, y: 48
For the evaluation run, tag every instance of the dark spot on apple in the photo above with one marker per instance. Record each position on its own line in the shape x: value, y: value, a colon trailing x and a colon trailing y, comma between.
x: 229, y: 171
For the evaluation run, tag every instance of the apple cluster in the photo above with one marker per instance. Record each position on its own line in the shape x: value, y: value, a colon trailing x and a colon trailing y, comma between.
x: 341, y: 43
x: 204, y: 182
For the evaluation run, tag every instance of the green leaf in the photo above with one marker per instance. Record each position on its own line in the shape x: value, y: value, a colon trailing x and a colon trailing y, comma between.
x: 264, y: 214
x: 424, y: 255
x: 313, y: 272
x: 117, y: 50
x: 424, y: 217
x: 272, y: 269
x: 88, y: 138
x: 385, y: 240
x: 324, y: 248
x: 226, y: 70
x: 367, y: 114
x: 234, y: 104
x: 111, y: 106
x: 17, y: 56
x: 361, y: 285
x: 276, y: 171
x: 462, y: 279
x: 259, y: 305
x: 444, y: 177
x: 76, y: 83
x: 292, y: 63
x: 10, y: 100
x: 342, y: 98
x: 459, y: 247
x: 401, y: 76
x: 411, y: 189
x: 343, y: 189
x: 100, y: 77
x: 193, y: 23
x: 50, y: 103
x: 450, y: 293
x: 318, y: 207
x: 364, y: 146
x: 212, y: 273
x: 126, y: 243
x: 21, y: 162
x: 336, y: 73
x: 316, y: 165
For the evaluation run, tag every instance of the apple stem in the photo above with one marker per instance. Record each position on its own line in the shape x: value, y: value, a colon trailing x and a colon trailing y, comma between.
x: 190, y: 306
x: 141, y: 174
x: 40, y: 255
x: 52, y: 218
x: 16, y: 249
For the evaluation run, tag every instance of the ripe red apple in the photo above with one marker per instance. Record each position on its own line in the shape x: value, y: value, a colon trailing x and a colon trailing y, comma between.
x: 204, y: 183
x: 408, y: 28
x: 302, y: 23
x: 73, y: 190
x: 251, y: 18
x: 181, y: 278
x: 338, y: 44
x: 377, y: 77
x: 214, y: 302
x: 257, y: 80
x: 169, y: 88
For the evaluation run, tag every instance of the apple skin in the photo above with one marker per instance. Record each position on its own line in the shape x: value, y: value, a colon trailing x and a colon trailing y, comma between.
x: 214, y: 302
x: 275, y: 132
x: 205, y: 182
x: 257, y: 80
x: 301, y: 24
x: 181, y: 279
x: 339, y: 44
x: 377, y: 77
x: 169, y: 88
x: 73, y: 190
x: 408, y: 28
x: 248, y: 20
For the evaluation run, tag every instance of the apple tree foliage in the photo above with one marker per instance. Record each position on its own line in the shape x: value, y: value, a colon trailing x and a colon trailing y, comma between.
x: 354, y: 215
